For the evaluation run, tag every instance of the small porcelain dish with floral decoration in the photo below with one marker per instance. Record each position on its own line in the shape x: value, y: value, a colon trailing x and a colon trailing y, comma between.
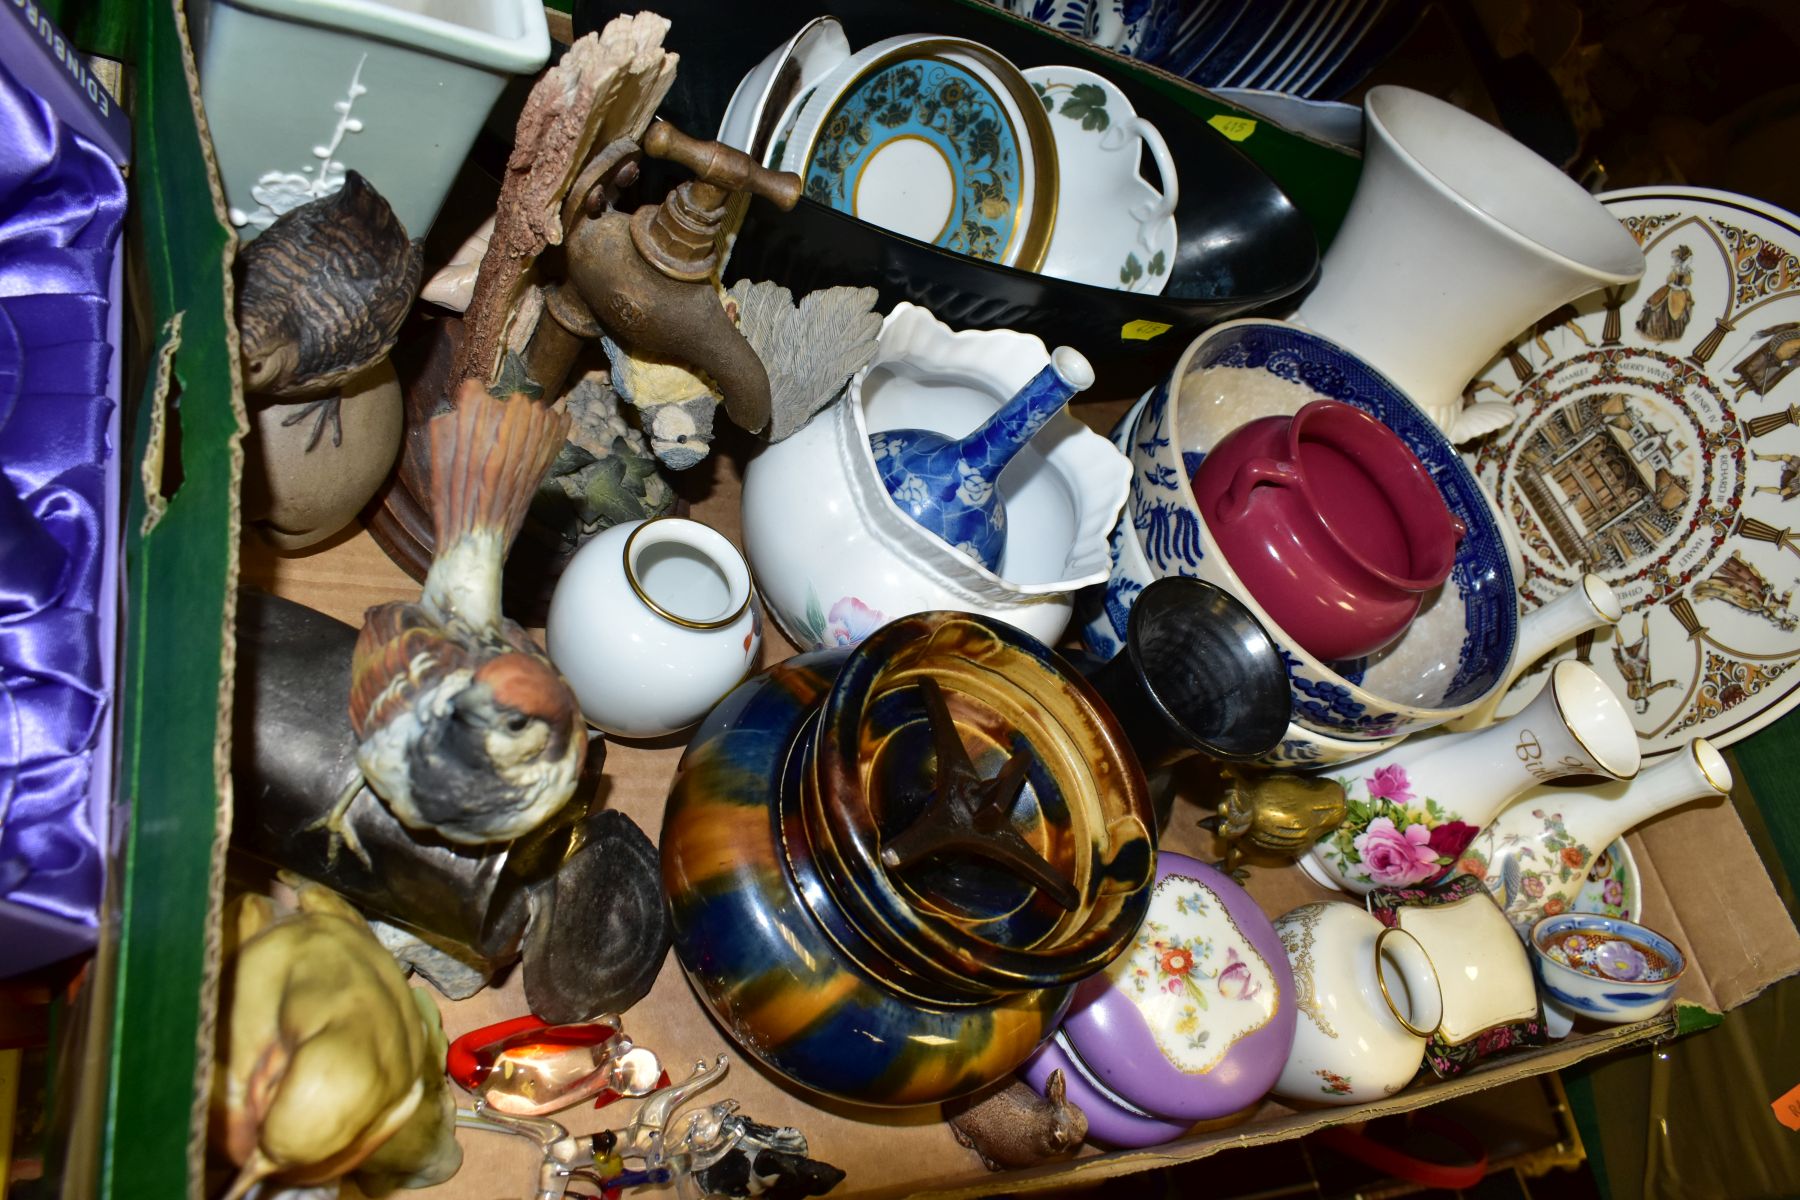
x: 1605, y: 969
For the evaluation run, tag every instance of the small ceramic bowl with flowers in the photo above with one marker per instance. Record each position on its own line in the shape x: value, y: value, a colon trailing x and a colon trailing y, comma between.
x: 1604, y: 968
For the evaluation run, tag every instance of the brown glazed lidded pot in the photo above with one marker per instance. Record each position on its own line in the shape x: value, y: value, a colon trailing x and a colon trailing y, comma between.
x: 887, y: 866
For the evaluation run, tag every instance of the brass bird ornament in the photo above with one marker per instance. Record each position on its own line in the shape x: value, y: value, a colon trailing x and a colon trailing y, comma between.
x: 1279, y: 812
x: 463, y: 725
x: 321, y: 296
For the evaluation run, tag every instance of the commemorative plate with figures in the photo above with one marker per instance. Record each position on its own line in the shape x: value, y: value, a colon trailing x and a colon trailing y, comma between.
x: 1657, y: 444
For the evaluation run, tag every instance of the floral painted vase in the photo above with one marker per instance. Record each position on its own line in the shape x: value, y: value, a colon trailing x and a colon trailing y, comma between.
x: 1413, y: 810
x: 1192, y: 1023
x: 1535, y: 857
x: 1367, y: 999
x: 888, y: 866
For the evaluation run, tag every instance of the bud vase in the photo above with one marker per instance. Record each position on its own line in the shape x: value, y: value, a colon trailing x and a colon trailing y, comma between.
x: 1535, y: 857
x: 1415, y: 809
x: 950, y: 486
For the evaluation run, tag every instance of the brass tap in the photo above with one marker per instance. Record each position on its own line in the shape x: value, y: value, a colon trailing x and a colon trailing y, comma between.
x: 645, y: 278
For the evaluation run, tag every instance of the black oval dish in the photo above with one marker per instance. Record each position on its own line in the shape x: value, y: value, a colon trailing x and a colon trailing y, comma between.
x: 1244, y: 245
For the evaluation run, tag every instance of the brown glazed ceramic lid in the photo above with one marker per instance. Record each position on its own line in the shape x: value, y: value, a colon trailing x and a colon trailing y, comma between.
x: 975, y: 809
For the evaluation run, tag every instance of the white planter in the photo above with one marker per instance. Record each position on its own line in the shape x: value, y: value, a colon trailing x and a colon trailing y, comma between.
x: 299, y: 91
x: 835, y: 557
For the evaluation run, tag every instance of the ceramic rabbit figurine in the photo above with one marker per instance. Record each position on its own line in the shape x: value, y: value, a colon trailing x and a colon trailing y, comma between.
x: 951, y: 486
x: 1415, y: 809
x: 1535, y: 856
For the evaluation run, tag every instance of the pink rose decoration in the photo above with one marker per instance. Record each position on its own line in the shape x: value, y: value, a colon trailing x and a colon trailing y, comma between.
x: 850, y: 621
x: 1393, y: 858
x: 1613, y: 892
x: 1391, y: 783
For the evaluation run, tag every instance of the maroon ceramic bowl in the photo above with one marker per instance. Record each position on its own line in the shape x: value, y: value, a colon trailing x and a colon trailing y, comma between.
x: 1332, y: 523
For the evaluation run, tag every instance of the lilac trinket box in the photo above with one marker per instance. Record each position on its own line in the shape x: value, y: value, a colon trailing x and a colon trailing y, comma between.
x: 1191, y: 1024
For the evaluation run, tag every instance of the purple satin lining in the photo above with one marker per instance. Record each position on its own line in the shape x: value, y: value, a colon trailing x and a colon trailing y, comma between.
x: 61, y: 204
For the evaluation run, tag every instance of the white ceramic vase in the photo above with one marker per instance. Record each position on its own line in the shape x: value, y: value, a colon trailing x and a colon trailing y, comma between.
x: 1535, y: 856
x: 652, y: 622
x: 1368, y: 998
x: 1458, y: 238
x: 299, y: 91
x: 836, y: 558
x: 1416, y: 808
x: 1591, y: 604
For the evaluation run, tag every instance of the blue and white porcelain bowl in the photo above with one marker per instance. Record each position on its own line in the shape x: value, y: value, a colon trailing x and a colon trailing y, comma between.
x: 1605, y: 969
x: 1458, y: 649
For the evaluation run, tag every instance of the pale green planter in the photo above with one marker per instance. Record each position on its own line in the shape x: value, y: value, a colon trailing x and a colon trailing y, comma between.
x: 299, y: 91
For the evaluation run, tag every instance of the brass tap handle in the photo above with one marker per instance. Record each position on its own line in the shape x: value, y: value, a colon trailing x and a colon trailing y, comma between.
x: 722, y: 166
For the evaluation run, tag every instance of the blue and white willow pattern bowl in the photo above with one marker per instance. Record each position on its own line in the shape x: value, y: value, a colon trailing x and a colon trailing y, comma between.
x: 1448, y: 661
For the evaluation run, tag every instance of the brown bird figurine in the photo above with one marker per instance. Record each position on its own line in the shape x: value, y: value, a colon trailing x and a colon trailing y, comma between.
x: 1279, y: 812
x: 463, y: 726
x: 321, y: 296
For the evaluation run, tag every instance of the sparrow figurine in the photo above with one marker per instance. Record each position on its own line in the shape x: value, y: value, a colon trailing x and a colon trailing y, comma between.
x: 321, y: 297
x: 463, y: 726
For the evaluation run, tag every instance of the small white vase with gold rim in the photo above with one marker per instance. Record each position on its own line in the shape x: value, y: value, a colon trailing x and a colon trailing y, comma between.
x: 1368, y: 998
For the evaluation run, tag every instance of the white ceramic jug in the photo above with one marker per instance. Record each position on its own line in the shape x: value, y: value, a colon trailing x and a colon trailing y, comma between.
x: 1416, y: 808
x: 1368, y: 998
x: 1458, y: 238
x: 1535, y: 856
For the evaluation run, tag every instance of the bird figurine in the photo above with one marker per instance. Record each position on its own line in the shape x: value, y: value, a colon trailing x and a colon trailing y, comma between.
x: 327, y: 1064
x: 1278, y: 812
x: 1016, y: 1127
x: 463, y: 726
x: 321, y: 296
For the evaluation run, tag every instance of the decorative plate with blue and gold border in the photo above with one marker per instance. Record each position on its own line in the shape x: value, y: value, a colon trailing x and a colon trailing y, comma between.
x: 927, y: 142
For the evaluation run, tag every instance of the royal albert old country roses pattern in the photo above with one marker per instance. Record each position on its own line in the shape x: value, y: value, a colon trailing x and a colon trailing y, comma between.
x: 1658, y: 446
x: 1199, y: 983
x: 1393, y: 836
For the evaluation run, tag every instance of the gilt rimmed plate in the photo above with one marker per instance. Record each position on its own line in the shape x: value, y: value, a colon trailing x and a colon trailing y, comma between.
x: 938, y: 139
x: 1657, y: 444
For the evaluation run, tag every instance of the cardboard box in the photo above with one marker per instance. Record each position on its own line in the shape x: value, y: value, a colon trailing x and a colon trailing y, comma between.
x: 1703, y: 881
